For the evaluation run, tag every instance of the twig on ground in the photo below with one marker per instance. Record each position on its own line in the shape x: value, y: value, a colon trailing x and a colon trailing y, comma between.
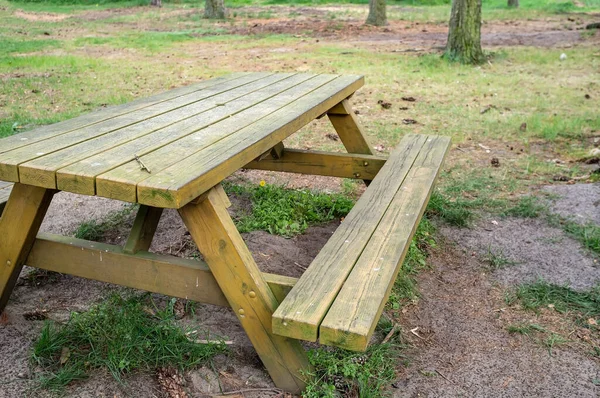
x: 273, y: 390
x: 441, y: 374
x: 414, y: 331
x: 391, y: 333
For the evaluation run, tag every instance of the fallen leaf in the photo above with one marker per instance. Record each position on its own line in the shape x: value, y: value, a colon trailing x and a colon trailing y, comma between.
x: 65, y: 353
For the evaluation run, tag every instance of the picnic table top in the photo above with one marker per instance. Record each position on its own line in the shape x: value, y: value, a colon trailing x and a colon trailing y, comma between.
x: 168, y: 149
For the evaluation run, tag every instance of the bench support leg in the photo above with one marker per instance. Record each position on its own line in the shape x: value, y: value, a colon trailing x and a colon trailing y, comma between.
x: 19, y: 225
x: 243, y: 285
x: 143, y: 230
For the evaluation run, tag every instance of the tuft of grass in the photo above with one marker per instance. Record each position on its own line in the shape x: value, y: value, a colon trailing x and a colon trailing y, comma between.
x: 587, y: 234
x: 525, y: 329
x: 338, y: 372
x: 497, y: 260
x: 287, y: 212
x: 120, y: 335
x: 533, y: 296
x: 527, y: 207
x: 455, y: 212
x: 95, y: 230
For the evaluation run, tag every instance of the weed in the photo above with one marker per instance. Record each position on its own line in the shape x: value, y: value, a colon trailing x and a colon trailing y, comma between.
x: 533, y: 296
x: 553, y: 340
x: 339, y: 372
x: 94, y: 230
x: 120, y: 335
x: 287, y: 212
x: 497, y: 260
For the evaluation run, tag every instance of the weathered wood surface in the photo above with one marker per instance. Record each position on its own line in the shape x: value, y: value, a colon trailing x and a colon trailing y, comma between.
x: 301, y: 313
x: 144, y: 227
x: 168, y: 149
x: 19, y: 225
x: 168, y: 275
x: 246, y: 290
x: 352, y: 318
x: 341, y: 165
x: 5, y: 189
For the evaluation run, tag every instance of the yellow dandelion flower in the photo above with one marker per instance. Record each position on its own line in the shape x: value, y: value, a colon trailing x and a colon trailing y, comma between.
x: 262, y: 183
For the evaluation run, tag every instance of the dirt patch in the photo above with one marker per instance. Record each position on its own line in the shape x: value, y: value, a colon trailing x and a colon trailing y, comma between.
x: 532, y: 250
x: 463, y: 348
x: 581, y: 202
x: 41, y: 16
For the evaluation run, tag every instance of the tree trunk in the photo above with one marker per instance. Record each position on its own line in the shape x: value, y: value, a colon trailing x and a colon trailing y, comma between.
x: 215, y: 9
x: 464, y: 36
x: 513, y: 3
x: 377, y: 15
x: 156, y: 3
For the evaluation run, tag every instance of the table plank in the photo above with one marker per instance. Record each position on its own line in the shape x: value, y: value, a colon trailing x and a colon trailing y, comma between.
x: 352, y: 318
x: 4, y: 194
x: 80, y: 177
x: 300, y: 315
x: 9, y: 161
x: 42, y: 171
x: 185, y: 180
x: 121, y: 182
x: 45, y: 132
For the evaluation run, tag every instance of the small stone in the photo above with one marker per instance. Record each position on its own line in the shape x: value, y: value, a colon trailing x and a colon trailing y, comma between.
x: 563, y: 56
x: 495, y: 162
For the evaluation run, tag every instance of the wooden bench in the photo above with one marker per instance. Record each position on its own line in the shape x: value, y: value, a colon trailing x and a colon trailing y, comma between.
x: 340, y: 297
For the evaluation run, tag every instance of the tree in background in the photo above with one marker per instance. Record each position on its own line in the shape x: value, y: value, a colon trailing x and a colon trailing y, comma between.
x: 215, y: 9
x: 377, y: 15
x: 513, y: 3
x: 156, y: 3
x: 464, y: 36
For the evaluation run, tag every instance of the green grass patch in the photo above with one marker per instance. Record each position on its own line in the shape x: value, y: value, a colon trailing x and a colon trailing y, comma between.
x: 587, y: 234
x: 95, y: 230
x: 120, y: 335
x: 287, y: 212
x: 497, y: 260
x: 533, y: 296
x: 338, y: 372
x: 12, y: 46
x: 527, y: 207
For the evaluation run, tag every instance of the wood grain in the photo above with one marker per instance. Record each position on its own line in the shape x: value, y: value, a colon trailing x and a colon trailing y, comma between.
x: 142, y: 232
x: 301, y: 313
x: 352, y: 318
x: 168, y: 275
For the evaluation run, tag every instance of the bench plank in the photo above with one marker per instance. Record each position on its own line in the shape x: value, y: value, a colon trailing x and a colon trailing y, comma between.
x: 352, y: 318
x: 45, y: 132
x: 130, y: 125
x: 181, y: 183
x: 301, y: 313
x: 80, y: 177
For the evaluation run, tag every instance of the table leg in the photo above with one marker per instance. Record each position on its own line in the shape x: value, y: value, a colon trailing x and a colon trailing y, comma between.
x: 239, y: 278
x: 346, y: 125
x: 19, y: 225
x: 143, y: 229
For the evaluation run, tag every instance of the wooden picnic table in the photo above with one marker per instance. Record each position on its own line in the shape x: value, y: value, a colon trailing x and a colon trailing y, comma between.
x: 173, y: 150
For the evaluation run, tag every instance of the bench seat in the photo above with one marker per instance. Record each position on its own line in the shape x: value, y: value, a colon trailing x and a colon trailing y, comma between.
x: 5, y: 188
x: 341, y: 295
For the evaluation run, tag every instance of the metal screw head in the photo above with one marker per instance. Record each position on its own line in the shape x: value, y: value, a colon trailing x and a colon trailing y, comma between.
x: 365, y: 163
x: 8, y: 263
x: 252, y: 294
x: 241, y: 312
x: 356, y: 175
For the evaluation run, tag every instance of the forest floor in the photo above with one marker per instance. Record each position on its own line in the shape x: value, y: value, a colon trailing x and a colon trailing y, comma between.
x: 533, y: 113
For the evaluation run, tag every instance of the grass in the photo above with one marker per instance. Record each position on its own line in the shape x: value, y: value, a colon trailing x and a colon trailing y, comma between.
x: 539, y: 334
x: 540, y: 294
x: 338, y: 372
x: 95, y: 230
x: 287, y: 212
x: 120, y: 335
x: 497, y: 260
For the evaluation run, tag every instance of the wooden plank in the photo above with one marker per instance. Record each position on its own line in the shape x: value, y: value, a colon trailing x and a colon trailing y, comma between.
x: 168, y: 275
x: 346, y: 125
x: 19, y: 225
x: 182, y: 182
x: 332, y: 164
x: 45, y: 132
x: 301, y: 313
x: 352, y: 318
x: 144, y: 227
x: 121, y: 182
x: 248, y: 294
x: 80, y: 177
x: 134, y: 124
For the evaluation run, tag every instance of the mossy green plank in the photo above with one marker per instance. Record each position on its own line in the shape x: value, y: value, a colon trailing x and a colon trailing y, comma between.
x: 10, y: 160
x: 42, y: 171
x: 352, y: 318
x: 182, y: 182
x: 45, y: 132
x: 121, y: 182
x: 301, y: 313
